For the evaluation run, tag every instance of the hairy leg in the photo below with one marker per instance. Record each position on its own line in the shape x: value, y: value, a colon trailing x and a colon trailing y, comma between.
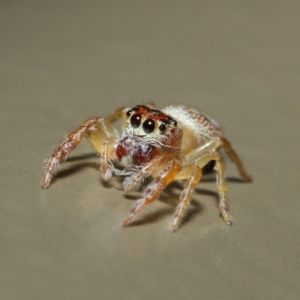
x: 62, y: 151
x: 135, y: 176
x: 235, y: 159
x: 97, y: 130
x: 186, y: 195
x: 221, y: 181
x: 222, y: 188
x: 107, y: 153
x: 186, y: 172
x: 154, y: 189
x: 190, y: 157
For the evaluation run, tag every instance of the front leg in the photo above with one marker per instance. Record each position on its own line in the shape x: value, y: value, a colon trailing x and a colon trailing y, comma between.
x: 186, y: 195
x: 62, y: 151
x: 108, y: 152
x: 97, y: 130
x: 134, y: 176
x: 154, y: 189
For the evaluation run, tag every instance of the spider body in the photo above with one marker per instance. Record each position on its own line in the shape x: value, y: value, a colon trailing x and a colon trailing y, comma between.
x: 174, y: 143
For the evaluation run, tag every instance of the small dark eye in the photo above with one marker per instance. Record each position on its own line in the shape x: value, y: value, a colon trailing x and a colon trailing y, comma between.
x: 173, y: 122
x: 149, y: 126
x: 162, y: 127
x: 128, y: 113
x: 135, y: 120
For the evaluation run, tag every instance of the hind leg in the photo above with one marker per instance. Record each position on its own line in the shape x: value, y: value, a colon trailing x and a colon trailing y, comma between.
x: 235, y: 159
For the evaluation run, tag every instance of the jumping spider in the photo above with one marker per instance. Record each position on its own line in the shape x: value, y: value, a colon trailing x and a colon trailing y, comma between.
x: 174, y: 143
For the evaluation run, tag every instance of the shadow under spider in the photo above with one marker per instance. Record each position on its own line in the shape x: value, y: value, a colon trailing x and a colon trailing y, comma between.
x: 171, y: 196
x: 168, y: 196
x: 68, y: 171
x: 82, y: 157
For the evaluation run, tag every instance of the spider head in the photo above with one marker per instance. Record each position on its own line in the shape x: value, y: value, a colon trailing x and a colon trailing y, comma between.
x: 147, y: 133
x: 154, y: 127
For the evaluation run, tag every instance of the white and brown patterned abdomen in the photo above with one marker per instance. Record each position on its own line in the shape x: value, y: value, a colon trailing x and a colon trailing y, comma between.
x: 197, y: 128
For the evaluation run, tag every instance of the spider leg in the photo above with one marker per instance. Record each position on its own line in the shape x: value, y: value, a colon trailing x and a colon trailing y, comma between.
x: 186, y: 195
x: 154, y: 189
x: 134, y: 177
x: 215, y: 143
x: 107, y: 152
x: 201, y: 150
x: 220, y: 180
x: 188, y: 172
x: 235, y: 159
x: 97, y: 130
x: 222, y: 187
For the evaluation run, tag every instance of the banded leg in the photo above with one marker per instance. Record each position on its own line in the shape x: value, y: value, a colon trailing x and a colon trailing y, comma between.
x: 235, y: 159
x: 61, y: 153
x: 186, y: 196
x: 154, y: 189
x: 221, y: 181
x: 222, y: 188
x: 95, y: 129
x: 134, y: 177
x: 107, y: 152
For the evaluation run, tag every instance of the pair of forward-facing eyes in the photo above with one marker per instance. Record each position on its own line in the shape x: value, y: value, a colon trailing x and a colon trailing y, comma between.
x: 149, y: 124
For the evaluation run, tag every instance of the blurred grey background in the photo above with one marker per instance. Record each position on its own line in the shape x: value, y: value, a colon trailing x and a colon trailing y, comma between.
x: 65, y: 61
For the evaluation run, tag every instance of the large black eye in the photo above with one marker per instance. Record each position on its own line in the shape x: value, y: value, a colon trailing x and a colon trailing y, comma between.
x: 128, y: 113
x: 135, y: 120
x: 149, y: 126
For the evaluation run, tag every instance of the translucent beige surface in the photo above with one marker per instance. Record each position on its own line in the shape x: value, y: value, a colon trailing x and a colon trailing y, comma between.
x: 65, y: 61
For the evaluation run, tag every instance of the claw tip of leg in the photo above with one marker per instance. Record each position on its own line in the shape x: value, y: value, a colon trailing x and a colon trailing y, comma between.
x: 45, y: 185
x: 175, y: 228
x: 125, y: 223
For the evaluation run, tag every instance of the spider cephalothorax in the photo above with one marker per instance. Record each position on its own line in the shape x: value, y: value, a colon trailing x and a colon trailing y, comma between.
x: 147, y: 133
x: 174, y: 143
